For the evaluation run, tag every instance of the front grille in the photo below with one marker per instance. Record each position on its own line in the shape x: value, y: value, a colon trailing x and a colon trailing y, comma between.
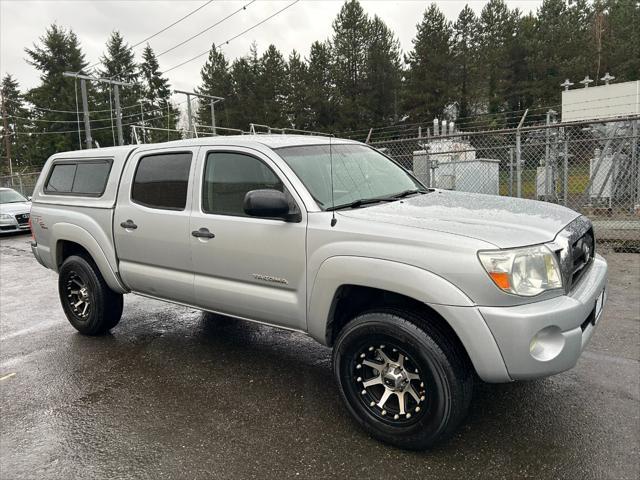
x: 582, y: 253
x: 575, y: 247
x: 22, y: 219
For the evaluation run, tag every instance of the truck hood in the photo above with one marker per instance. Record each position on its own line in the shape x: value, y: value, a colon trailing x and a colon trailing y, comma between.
x: 503, y: 221
x: 15, y: 208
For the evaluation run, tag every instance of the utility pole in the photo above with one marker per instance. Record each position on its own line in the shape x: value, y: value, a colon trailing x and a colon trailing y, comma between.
x: 85, y: 109
x: 116, y: 98
x: 144, y: 130
x: 85, y: 103
x: 7, y: 140
x: 212, y: 100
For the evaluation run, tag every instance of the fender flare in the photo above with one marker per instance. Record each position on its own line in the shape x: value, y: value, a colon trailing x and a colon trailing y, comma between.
x: 388, y: 275
x: 73, y: 233
x: 455, y: 307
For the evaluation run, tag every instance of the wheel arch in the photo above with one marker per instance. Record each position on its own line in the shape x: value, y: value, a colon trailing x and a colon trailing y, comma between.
x: 361, y: 283
x: 72, y: 239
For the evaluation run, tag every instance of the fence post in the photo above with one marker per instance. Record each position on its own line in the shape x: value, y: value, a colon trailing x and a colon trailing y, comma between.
x: 518, y: 165
x: 547, y: 159
x: 20, y: 182
x: 634, y: 163
x: 565, y: 169
x: 519, y: 155
x: 511, y: 172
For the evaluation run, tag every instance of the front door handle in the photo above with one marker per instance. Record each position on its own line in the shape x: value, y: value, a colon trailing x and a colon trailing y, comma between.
x: 129, y: 225
x: 203, y: 233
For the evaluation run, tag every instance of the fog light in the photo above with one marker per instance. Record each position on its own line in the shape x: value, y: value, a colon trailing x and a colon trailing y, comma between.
x: 547, y: 344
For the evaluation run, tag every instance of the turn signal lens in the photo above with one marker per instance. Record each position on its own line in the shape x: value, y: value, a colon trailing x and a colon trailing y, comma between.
x: 501, y: 279
x: 525, y: 271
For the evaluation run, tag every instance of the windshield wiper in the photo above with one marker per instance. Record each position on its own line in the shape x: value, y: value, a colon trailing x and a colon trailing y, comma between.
x: 406, y: 193
x: 360, y: 202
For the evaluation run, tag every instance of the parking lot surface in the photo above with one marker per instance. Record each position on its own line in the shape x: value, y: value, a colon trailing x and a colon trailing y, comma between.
x: 174, y: 393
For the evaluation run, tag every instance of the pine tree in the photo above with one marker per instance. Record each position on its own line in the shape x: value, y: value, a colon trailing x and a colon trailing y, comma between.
x: 17, y: 127
x: 118, y: 63
x: 496, y: 30
x: 161, y: 113
x: 217, y: 82
x: 244, y: 107
x: 298, y: 111
x: 429, y: 89
x: 321, y: 88
x: 58, y: 51
x: 272, y: 87
x: 382, y: 74
x: 350, y: 45
x: 465, y: 49
x: 621, y: 42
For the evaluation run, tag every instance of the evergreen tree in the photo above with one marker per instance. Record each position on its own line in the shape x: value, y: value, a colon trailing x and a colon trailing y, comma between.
x: 350, y: 46
x: 558, y: 45
x: 118, y: 63
x: 217, y: 82
x: 428, y: 88
x: 244, y: 107
x: 497, y: 28
x: 161, y: 113
x: 465, y: 49
x: 17, y: 127
x: 621, y: 40
x: 58, y: 51
x: 383, y: 71
x: 272, y: 87
x: 320, y: 88
x: 297, y: 101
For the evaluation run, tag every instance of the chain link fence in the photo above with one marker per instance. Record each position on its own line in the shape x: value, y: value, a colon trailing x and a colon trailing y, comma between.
x: 591, y: 167
x: 21, y: 182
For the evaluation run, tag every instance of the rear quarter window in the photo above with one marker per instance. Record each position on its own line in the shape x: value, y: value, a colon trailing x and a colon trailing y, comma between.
x: 78, y: 178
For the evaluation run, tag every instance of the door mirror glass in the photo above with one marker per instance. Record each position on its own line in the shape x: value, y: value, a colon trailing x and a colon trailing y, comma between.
x: 266, y: 203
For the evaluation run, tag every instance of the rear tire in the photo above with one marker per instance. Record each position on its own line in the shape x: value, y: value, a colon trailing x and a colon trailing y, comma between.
x: 88, y: 302
x: 386, y: 357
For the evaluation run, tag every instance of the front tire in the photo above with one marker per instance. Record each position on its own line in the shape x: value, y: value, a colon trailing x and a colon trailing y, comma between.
x: 88, y: 302
x: 402, y: 378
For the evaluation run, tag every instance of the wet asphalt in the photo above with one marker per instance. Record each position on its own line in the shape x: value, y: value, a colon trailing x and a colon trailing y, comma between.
x: 173, y: 393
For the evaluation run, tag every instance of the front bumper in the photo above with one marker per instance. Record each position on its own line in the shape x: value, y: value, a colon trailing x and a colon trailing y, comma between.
x: 7, y: 226
x: 547, y: 337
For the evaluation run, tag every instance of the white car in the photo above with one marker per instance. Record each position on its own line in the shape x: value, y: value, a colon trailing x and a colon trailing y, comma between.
x: 14, y: 211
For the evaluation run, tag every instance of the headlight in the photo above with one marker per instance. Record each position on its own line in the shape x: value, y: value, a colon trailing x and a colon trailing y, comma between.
x: 525, y: 271
x: 4, y: 216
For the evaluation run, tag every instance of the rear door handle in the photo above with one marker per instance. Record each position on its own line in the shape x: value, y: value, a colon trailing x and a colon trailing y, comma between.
x: 129, y: 225
x: 203, y: 233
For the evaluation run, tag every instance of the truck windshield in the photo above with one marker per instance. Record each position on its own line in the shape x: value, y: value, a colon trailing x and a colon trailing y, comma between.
x: 360, y: 174
x: 11, y: 196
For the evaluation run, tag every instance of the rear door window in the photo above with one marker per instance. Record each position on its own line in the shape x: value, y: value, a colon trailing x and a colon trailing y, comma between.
x: 162, y: 181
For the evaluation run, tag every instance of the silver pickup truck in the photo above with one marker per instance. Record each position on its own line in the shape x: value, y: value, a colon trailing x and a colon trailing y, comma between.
x: 417, y: 290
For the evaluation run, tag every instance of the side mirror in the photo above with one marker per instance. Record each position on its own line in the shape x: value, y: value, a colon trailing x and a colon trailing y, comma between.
x: 29, y: 197
x: 268, y: 203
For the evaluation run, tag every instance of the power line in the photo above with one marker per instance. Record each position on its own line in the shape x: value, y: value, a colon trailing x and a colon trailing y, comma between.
x: 75, y: 131
x: 205, y: 30
x: 95, y: 120
x: 162, y: 30
x: 226, y: 42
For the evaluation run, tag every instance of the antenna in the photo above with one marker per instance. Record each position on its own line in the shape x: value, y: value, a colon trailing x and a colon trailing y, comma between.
x: 334, y: 220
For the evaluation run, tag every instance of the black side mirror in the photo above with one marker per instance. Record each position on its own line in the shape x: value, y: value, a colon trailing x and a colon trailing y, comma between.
x: 268, y: 203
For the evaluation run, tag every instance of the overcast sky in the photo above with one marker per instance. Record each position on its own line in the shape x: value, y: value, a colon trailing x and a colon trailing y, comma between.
x: 23, y: 21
